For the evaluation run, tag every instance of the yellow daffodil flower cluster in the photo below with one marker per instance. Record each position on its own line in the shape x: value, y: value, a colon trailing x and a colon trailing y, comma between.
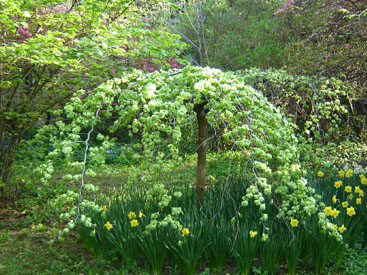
x: 338, y: 183
x: 350, y: 200
x: 132, y: 216
x: 363, y: 179
x: 331, y: 211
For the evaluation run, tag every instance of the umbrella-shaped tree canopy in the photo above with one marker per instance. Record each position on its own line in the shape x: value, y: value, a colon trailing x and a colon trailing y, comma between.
x: 165, y: 111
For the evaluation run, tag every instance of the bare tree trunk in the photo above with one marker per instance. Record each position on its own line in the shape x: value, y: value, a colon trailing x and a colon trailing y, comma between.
x: 202, y: 146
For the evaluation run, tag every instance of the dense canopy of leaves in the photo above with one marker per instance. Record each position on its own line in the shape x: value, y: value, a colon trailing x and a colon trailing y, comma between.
x: 50, y: 49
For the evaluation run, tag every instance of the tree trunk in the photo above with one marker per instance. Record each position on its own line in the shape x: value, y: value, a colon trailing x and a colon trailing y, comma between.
x: 7, y: 157
x: 202, y: 145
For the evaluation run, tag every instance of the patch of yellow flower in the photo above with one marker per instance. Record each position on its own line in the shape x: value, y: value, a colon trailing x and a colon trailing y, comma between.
x: 140, y: 214
x: 253, y: 233
x: 134, y: 223
x: 350, y: 197
x: 131, y: 215
x: 345, y: 204
x: 320, y: 174
x: 364, y: 181
x: 333, y: 199
x: 349, y: 173
x: 341, y: 173
x: 104, y: 208
x: 108, y: 226
x: 328, y: 210
x: 294, y: 222
x: 358, y: 201
x: 351, y: 211
x: 342, y: 228
x: 338, y: 183
x: 185, y: 231
x: 348, y: 189
x: 335, y: 212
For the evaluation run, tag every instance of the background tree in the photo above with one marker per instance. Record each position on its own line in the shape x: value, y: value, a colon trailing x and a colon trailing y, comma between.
x: 327, y: 37
x: 50, y: 49
x: 230, y: 35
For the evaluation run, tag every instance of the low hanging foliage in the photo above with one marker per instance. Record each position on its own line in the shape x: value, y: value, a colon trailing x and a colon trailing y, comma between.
x: 158, y: 109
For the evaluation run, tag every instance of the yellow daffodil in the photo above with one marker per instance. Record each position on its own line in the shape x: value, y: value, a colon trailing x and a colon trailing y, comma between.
x: 361, y: 193
x: 134, y: 223
x: 338, y: 183
x: 357, y: 189
x: 253, y: 233
x: 328, y: 211
x: 348, y: 189
x: 140, y: 215
x: 185, y: 231
x: 342, y: 228
x: 345, y: 204
x: 108, y: 226
x: 349, y: 173
x: 335, y: 212
x: 364, y: 181
x: 335, y: 226
x: 333, y: 199
x: 361, y: 176
x: 350, y: 197
x: 294, y: 222
x: 351, y: 211
x: 341, y: 173
x: 358, y: 201
x: 320, y: 174
x: 131, y: 215
x: 104, y: 208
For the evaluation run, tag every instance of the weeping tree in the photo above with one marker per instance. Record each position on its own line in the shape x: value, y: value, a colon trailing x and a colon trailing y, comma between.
x: 170, y: 110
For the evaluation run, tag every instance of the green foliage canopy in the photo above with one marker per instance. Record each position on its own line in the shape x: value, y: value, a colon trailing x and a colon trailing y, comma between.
x: 50, y: 49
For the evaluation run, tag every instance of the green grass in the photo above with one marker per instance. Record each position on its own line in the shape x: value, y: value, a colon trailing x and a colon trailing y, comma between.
x: 26, y: 248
